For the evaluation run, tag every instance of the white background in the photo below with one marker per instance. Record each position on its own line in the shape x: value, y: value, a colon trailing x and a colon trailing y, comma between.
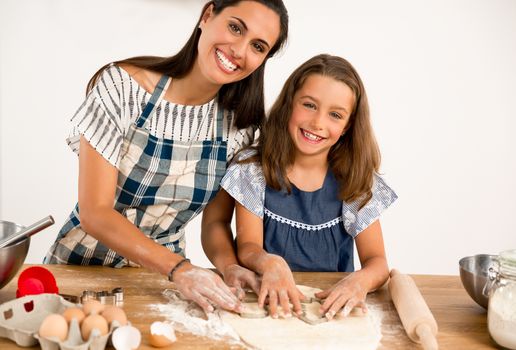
x: 440, y: 75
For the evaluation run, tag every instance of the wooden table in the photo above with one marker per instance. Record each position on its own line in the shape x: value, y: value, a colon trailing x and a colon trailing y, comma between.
x: 462, y: 323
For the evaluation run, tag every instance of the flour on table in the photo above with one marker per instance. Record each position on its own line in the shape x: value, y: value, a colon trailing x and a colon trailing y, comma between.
x: 187, y: 317
x: 361, y: 332
x: 352, y: 332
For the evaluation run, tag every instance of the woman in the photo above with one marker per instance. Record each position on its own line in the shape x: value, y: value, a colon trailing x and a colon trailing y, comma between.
x: 155, y: 135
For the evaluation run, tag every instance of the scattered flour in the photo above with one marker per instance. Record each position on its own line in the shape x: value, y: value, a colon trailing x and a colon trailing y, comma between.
x: 376, y: 315
x: 187, y: 317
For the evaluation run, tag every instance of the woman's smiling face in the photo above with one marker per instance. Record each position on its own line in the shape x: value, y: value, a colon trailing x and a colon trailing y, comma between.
x: 320, y: 114
x: 235, y: 42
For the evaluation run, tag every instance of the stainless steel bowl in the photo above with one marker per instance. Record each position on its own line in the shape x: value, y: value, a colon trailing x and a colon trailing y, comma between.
x: 12, y: 256
x: 474, y: 275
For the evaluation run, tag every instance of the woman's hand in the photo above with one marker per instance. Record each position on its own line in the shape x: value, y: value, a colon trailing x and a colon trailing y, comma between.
x: 205, y: 288
x: 279, y: 285
x: 239, y: 277
x: 349, y: 292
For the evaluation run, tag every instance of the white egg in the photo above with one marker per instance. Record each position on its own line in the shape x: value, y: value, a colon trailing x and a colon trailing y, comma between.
x: 126, y: 338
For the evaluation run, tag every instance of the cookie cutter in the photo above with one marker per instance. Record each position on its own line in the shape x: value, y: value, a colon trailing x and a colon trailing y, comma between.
x: 113, y: 297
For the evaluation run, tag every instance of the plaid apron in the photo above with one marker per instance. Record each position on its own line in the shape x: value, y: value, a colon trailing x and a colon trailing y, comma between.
x: 162, y: 185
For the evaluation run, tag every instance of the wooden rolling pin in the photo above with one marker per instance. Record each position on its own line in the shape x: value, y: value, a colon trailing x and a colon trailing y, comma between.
x: 418, y: 321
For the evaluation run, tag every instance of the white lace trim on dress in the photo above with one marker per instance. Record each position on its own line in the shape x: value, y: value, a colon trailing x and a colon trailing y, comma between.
x: 300, y: 225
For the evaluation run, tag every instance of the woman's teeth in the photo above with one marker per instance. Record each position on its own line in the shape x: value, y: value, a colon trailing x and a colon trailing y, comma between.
x: 225, y: 62
x: 311, y: 137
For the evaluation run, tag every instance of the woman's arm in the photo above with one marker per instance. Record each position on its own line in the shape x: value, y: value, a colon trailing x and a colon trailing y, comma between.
x: 217, y: 242
x: 97, y: 186
x: 352, y: 290
x: 277, y: 279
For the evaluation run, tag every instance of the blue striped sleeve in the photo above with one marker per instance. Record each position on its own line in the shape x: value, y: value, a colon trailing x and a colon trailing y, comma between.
x: 355, y: 221
x: 245, y: 183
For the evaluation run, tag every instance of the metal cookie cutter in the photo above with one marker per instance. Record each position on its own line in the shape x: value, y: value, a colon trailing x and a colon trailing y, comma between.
x: 115, y: 297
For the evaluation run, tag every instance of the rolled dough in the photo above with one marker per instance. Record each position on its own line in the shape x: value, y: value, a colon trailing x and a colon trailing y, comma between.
x: 352, y: 332
x: 311, y: 313
x: 252, y: 310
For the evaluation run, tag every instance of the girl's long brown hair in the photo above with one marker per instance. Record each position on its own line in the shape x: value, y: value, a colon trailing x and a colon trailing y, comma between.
x: 354, y: 159
x: 245, y: 97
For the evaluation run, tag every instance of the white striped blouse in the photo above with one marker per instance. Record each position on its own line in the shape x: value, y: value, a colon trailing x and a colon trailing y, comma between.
x: 117, y: 100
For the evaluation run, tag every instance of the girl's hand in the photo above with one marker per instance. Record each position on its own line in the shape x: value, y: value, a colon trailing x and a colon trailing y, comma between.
x: 349, y: 292
x: 239, y: 277
x: 205, y: 288
x: 279, y: 285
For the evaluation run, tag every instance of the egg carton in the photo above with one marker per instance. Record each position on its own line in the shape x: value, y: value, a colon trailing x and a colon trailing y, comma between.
x: 21, y: 318
x: 75, y: 341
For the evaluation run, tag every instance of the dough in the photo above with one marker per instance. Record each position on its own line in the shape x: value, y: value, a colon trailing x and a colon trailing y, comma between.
x: 311, y: 313
x: 309, y: 292
x: 252, y: 310
x: 352, y: 332
x: 250, y: 297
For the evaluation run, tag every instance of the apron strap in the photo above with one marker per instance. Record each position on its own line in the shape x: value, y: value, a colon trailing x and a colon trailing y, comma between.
x: 157, y: 95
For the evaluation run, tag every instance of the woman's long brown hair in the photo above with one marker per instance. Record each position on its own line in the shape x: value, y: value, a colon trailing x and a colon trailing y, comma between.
x: 245, y: 97
x: 354, y: 159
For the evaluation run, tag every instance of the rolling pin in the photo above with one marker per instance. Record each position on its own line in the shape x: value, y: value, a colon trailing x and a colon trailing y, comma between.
x: 418, y: 321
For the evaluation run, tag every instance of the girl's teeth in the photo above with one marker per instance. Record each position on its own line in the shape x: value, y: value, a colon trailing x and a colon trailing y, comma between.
x: 225, y: 62
x: 311, y: 136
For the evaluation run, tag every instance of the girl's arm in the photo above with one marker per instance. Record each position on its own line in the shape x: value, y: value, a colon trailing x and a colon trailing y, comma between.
x: 97, y: 185
x: 277, y: 279
x: 217, y: 242
x: 352, y: 290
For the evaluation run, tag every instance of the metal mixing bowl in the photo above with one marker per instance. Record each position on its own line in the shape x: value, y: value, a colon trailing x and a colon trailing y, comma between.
x: 474, y: 275
x: 12, y: 256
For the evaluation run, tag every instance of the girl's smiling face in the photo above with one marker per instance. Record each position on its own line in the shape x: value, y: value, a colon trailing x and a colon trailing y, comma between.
x: 320, y: 114
x: 235, y: 42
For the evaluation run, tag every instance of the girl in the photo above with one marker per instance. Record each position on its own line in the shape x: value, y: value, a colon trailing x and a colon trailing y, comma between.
x: 310, y: 188
x: 155, y: 135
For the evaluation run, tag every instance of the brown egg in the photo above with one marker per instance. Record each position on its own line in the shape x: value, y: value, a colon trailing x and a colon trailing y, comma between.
x: 113, y: 313
x: 92, y: 306
x: 159, y: 341
x: 161, y: 334
x: 92, y: 322
x: 54, y: 325
x: 74, y: 312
